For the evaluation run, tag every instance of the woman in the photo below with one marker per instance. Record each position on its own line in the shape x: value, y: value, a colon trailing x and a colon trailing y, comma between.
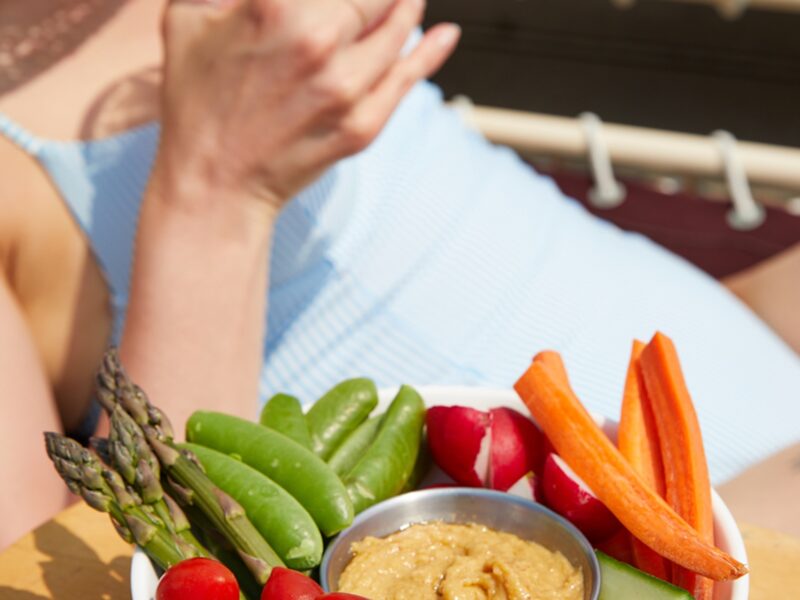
x: 428, y: 257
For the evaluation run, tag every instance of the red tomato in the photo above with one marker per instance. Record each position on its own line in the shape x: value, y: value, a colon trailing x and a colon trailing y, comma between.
x: 285, y: 584
x: 198, y: 579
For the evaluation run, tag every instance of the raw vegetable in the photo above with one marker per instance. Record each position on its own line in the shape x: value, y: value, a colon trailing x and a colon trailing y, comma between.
x: 104, y: 490
x: 352, y: 449
x: 555, y: 363
x: 389, y: 461
x: 198, y: 579
x: 526, y: 487
x: 283, y: 522
x: 421, y: 467
x: 285, y: 584
x: 688, y: 488
x: 619, y: 581
x: 127, y: 450
x: 296, y: 469
x: 337, y: 414
x: 515, y: 449
x: 284, y: 414
x: 638, y: 442
x: 617, y: 546
x: 568, y: 495
x: 183, y: 470
x: 585, y: 447
x: 459, y: 439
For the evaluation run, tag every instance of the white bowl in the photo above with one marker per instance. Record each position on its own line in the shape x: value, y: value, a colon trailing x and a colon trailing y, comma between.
x: 727, y: 534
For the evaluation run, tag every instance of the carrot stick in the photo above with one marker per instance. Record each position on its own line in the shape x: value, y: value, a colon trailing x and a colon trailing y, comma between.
x: 637, y: 440
x: 554, y: 362
x: 585, y: 447
x: 688, y: 489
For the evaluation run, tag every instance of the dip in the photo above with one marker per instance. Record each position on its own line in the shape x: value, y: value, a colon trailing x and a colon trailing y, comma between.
x: 458, y: 562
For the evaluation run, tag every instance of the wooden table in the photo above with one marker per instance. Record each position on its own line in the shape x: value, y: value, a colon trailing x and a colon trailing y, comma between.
x: 78, y: 556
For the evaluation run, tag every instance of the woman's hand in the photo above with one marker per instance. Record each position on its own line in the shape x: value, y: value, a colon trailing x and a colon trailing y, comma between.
x: 260, y: 96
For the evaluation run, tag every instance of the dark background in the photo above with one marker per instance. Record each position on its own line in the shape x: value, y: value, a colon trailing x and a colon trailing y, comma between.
x: 658, y: 64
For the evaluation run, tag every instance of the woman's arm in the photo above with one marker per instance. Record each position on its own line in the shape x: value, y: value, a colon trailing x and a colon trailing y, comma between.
x: 32, y: 491
x: 260, y: 97
x: 772, y: 290
x: 766, y: 494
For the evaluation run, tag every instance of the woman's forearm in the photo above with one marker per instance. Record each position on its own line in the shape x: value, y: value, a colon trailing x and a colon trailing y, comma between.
x: 196, y: 320
x: 766, y: 494
x: 254, y: 107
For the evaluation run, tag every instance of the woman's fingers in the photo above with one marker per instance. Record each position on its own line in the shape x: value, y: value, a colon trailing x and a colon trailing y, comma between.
x: 357, y: 68
x: 366, y: 119
x: 367, y: 13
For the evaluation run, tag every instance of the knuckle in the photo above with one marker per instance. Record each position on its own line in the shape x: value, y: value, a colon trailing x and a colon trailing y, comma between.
x: 358, y: 132
x: 338, y: 93
x: 314, y: 48
x: 270, y: 13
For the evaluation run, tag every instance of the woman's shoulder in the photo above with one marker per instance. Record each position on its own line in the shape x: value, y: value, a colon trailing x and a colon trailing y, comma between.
x: 23, y: 190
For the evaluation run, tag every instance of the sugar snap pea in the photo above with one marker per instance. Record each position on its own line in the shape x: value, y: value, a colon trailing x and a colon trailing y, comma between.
x: 352, y: 449
x: 284, y: 414
x: 337, y: 414
x: 389, y: 461
x: 281, y: 519
x: 421, y: 467
x: 296, y: 469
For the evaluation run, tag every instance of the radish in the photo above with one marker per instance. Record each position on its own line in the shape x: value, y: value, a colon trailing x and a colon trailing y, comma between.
x: 459, y: 439
x: 569, y: 496
x: 516, y: 448
x: 526, y: 487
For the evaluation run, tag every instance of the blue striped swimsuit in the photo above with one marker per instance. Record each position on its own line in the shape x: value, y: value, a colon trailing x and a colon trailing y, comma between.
x: 434, y: 257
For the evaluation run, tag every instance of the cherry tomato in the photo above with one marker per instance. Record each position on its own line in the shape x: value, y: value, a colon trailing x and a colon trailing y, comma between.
x: 285, y: 584
x: 198, y: 579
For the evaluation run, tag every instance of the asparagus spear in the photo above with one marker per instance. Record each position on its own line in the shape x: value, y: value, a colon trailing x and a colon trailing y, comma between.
x: 104, y: 490
x: 115, y: 389
x: 133, y: 458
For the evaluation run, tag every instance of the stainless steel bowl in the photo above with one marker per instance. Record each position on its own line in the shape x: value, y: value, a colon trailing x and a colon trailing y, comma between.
x: 496, y: 510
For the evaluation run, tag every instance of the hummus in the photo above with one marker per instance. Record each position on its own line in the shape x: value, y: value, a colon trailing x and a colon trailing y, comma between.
x: 458, y: 562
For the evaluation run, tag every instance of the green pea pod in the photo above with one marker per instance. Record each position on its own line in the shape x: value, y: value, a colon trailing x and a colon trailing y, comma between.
x: 296, y: 469
x: 352, y: 449
x: 421, y: 468
x: 281, y: 519
x: 284, y: 414
x: 337, y: 414
x: 389, y: 461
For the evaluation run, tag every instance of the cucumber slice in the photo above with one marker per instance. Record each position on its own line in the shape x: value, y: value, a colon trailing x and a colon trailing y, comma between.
x: 620, y: 581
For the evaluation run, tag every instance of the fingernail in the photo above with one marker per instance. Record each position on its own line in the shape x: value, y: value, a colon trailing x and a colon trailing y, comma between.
x: 449, y: 35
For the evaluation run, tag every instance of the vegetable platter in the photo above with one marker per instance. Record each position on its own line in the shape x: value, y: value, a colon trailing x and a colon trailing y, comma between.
x: 254, y: 503
x: 144, y: 577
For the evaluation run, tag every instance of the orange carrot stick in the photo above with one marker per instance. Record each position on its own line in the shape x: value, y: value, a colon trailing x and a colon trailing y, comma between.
x: 585, y: 447
x: 688, y: 489
x: 637, y: 440
x: 553, y: 361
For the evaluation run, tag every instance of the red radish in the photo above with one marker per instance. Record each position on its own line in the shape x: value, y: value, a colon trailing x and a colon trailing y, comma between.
x: 618, y: 546
x: 516, y: 448
x: 198, y: 579
x: 526, y: 487
x: 285, y: 584
x: 569, y: 496
x: 459, y: 439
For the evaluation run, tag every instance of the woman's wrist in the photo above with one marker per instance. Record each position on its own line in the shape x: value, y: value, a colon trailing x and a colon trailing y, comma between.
x: 208, y: 204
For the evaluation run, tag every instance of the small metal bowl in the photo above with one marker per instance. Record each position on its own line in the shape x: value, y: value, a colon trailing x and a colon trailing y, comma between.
x: 496, y: 510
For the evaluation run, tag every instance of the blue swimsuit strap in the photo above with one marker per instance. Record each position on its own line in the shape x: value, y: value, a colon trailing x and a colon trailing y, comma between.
x: 19, y: 136
x: 101, y: 182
